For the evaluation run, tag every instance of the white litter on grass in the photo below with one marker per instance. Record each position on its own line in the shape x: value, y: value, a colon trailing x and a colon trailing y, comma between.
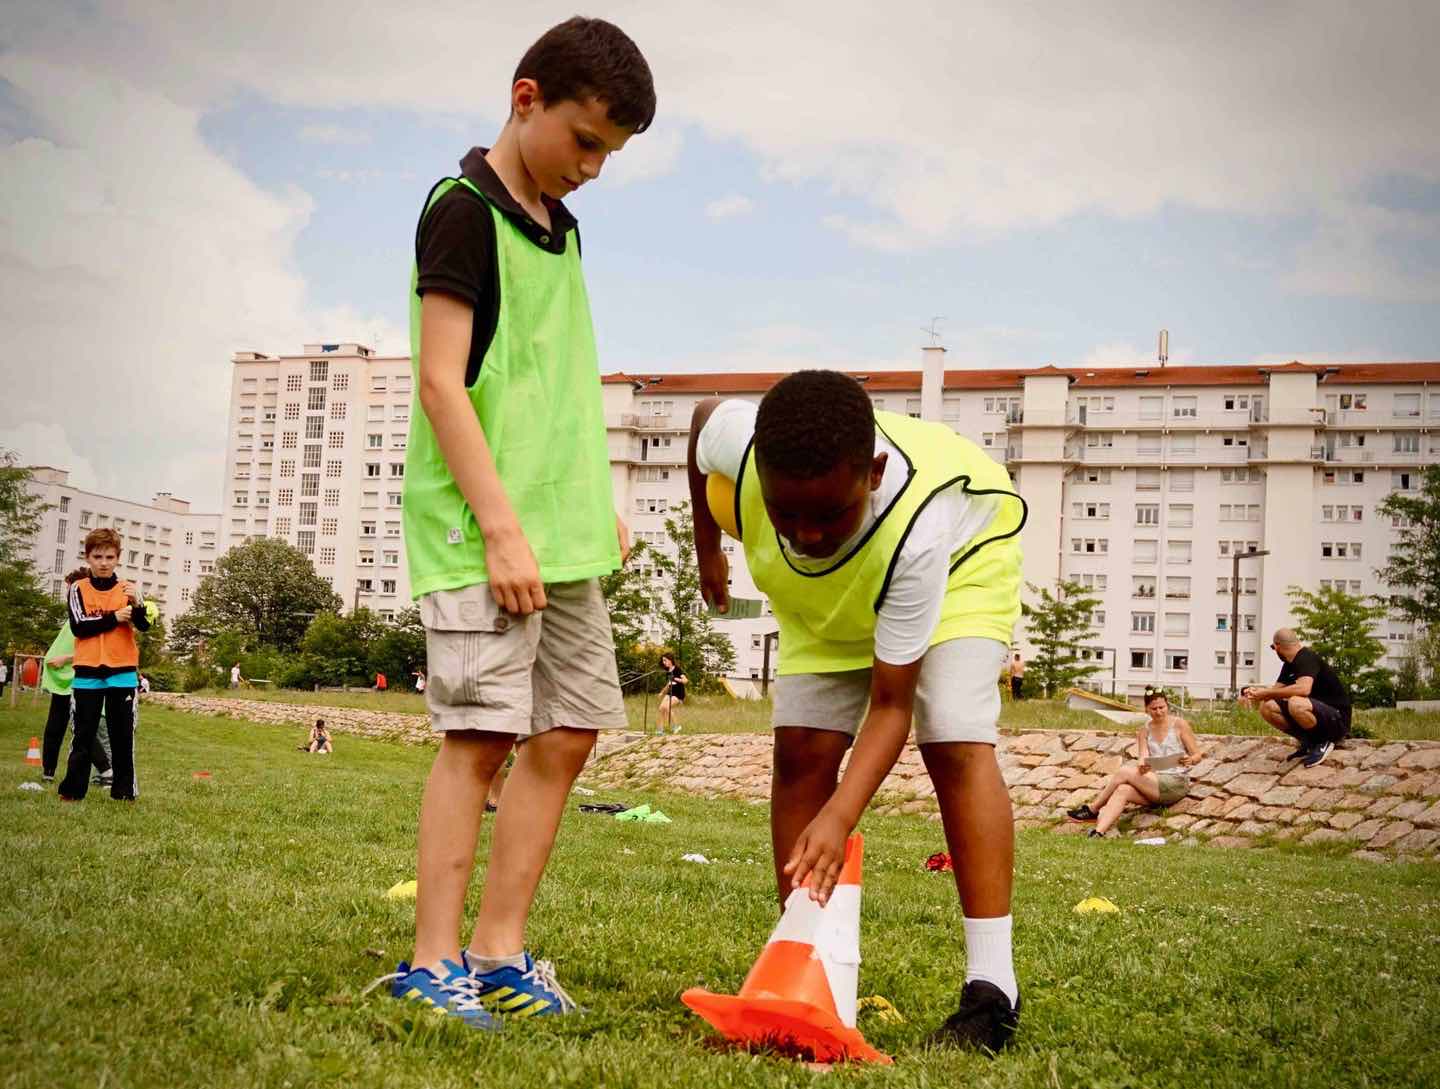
x: 584, y: 792
x: 30, y: 786
x: 695, y: 858
x: 1153, y: 841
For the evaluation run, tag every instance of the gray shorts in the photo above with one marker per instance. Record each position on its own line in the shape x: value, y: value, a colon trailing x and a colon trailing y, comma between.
x: 522, y: 675
x: 957, y: 697
x: 1173, y: 786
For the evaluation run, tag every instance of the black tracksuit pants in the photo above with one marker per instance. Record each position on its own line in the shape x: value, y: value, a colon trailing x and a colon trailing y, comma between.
x: 56, y: 723
x: 119, y: 707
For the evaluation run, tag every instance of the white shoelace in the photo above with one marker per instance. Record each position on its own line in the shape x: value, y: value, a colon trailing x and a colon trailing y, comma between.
x: 543, y: 972
x: 460, y: 992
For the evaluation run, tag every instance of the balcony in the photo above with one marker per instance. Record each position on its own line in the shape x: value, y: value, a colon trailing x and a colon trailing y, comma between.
x: 630, y: 421
x: 1104, y: 455
x: 1347, y: 456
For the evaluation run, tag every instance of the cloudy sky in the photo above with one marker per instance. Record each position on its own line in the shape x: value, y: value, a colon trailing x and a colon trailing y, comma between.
x: 1058, y: 180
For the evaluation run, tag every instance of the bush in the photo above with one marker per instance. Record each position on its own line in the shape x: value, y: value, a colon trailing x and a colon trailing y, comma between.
x: 196, y: 676
x: 1374, y: 688
x: 164, y: 677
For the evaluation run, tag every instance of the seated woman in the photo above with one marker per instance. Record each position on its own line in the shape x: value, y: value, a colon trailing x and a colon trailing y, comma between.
x: 319, y: 738
x: 1161, y: 775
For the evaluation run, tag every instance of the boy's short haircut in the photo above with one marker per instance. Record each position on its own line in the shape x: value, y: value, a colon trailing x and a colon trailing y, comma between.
x: 81, y: 572
x: 590, y: 58
x: 100, y: 538
x: 812, y: 421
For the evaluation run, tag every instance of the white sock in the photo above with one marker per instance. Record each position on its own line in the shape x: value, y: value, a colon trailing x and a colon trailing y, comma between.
x: 987, y: 954
x: 482, y: 965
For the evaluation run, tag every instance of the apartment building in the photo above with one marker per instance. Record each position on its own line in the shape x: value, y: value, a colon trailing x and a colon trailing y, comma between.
x: 315, y: 456
x: 1143, y: 484
x: 167, y: 548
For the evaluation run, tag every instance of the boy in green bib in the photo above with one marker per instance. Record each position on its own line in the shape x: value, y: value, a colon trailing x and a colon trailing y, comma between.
x: 889, y: 551
x: 509, y: 519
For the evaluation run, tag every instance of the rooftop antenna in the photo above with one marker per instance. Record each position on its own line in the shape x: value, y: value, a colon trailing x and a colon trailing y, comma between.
x: 933, y: 329
x: 1164, y: 346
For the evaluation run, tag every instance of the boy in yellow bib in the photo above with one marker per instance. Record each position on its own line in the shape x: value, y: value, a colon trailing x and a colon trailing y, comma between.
x: 889, y: 551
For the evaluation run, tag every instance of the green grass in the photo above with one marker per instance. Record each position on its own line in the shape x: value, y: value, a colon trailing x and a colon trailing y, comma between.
x: 410, y: 703
x: 219, y: 933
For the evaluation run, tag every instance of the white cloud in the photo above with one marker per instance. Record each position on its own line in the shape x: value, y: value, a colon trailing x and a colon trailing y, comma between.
x: 133, y: 261
x: 333, y: 134
x: 728, y: 207
x: 42, y: 442
x: 652, y: 154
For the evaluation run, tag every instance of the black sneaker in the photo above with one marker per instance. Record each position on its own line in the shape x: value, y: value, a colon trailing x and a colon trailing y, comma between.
x: 1095, y: 833
x: 44, y: 778
x: 1082, y: 814
x: 985, y: 1020
x: 1317, y: 754
x: 1301, y: 750
x: 103, y: 779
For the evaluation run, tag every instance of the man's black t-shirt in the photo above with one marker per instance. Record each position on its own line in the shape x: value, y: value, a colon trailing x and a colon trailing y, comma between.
x: 1326, y: 687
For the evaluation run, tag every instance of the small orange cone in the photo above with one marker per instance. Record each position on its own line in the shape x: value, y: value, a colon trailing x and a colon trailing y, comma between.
x: 801, y: 992
x: 32, y: 755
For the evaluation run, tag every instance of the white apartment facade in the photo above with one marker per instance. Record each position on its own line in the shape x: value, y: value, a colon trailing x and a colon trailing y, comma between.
x: 166, y: 548
x: 1142, y: 483
x: 315, y: 456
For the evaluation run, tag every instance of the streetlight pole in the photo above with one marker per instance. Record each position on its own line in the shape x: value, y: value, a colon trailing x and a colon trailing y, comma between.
x: 1235, y: 612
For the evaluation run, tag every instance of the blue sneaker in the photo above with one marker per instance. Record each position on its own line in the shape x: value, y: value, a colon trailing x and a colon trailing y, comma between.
x: 1318, y: 753
x: 531, y: 991
x: 453, y: 996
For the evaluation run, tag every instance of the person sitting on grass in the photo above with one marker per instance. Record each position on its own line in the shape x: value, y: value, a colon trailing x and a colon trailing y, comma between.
x: 889, y: 550
x: 672, y: 695
x: 1167, y: 749
x: 319, y: 738
x: 1307, y: 701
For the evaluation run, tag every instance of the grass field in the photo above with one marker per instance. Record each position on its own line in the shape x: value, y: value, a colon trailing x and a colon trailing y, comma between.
x: 219, y: 933
x: 721, y: 715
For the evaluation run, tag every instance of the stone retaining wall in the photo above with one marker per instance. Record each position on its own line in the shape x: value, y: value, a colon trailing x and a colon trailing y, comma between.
x: 1376, y: 797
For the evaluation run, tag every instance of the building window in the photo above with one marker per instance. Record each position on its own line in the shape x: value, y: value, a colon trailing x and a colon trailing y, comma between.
x: 314, y: 427
x: 1147, y: 514
x: 374, y: 441
x: 367, y: 529
x: 241, y: 499
x: 189, y: 538
x: 337, y: 410
x: 1177, y: 661
x: 285, y: 496
x: 332, y: 497
x: 1147, y: 480
x: 370, y: 499
x: 309, y: 484
x: 397, y: 440
x: 375, y: 412
x: 401, y: 414
x: 289, y: 440
x: 379, y: 383
x: 391, y: 557
x: 1184, y: 408
x: 336, y: 441
x: 367, y: 557
x: 1177, y: 553
x: 392, y: 499
x: 311, y: 458
x: 292, y: 410
x: 1143, y: 586
x: 307, y: 515
x: 1147, y: 551
x: 1406, y: 405
x: 287, y: 468
x: 1142, y: 622
x: 315, y: 399
x: 397, y: 469
x: 329, y: 527
x: 327, y: 554
x: 305, y: 541
x: 340, y: 383
x: 392, y: 529
x: 334, y: 469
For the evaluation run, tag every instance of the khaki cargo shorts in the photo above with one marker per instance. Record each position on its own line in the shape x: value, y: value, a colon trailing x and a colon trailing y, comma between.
x: 522, y: 675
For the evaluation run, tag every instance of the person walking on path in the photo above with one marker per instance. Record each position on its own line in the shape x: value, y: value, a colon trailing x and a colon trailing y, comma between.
x: 672, y: 695
x: 1017, y: 677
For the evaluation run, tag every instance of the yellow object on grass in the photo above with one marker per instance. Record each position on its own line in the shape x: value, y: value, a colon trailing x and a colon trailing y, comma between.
x: 1096, y: 905
x: 883, y: 1007
x: 720, y: 498
x: 406, y: 890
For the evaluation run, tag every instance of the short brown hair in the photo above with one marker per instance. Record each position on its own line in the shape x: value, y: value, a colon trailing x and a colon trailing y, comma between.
x: 81, y: 572
x: 590, y: 58
x: 100, y: 538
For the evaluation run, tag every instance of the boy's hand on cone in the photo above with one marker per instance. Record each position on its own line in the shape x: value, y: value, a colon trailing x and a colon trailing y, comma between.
x: 818, y: 855
x: 715, y: 579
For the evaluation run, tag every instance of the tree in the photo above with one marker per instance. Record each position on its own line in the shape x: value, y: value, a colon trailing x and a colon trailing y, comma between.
x: 29, y: 617
x: 399, y: 648
x: 1413, y: 573
x: 1340, y: 628
x: 630, y: 597
x: 1058, y: 624
x: 332, y: 651
x: 703, y: 651
x: 264, y: 588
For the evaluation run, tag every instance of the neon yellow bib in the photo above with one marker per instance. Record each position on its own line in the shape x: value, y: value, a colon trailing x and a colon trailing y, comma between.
x: 539, y: 403
x: 827, y: 618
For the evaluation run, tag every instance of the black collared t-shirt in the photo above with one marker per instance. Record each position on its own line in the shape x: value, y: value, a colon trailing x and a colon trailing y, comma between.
x: 455, y: 247
x: 1326, y: 687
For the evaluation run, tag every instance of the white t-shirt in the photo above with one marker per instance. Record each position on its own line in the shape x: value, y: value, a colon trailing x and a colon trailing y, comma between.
x: 951, y: 520
x: 235, y: 674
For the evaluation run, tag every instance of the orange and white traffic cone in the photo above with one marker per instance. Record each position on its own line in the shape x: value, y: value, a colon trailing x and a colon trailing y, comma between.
x: 32, y: 755
x: 801, y: 992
